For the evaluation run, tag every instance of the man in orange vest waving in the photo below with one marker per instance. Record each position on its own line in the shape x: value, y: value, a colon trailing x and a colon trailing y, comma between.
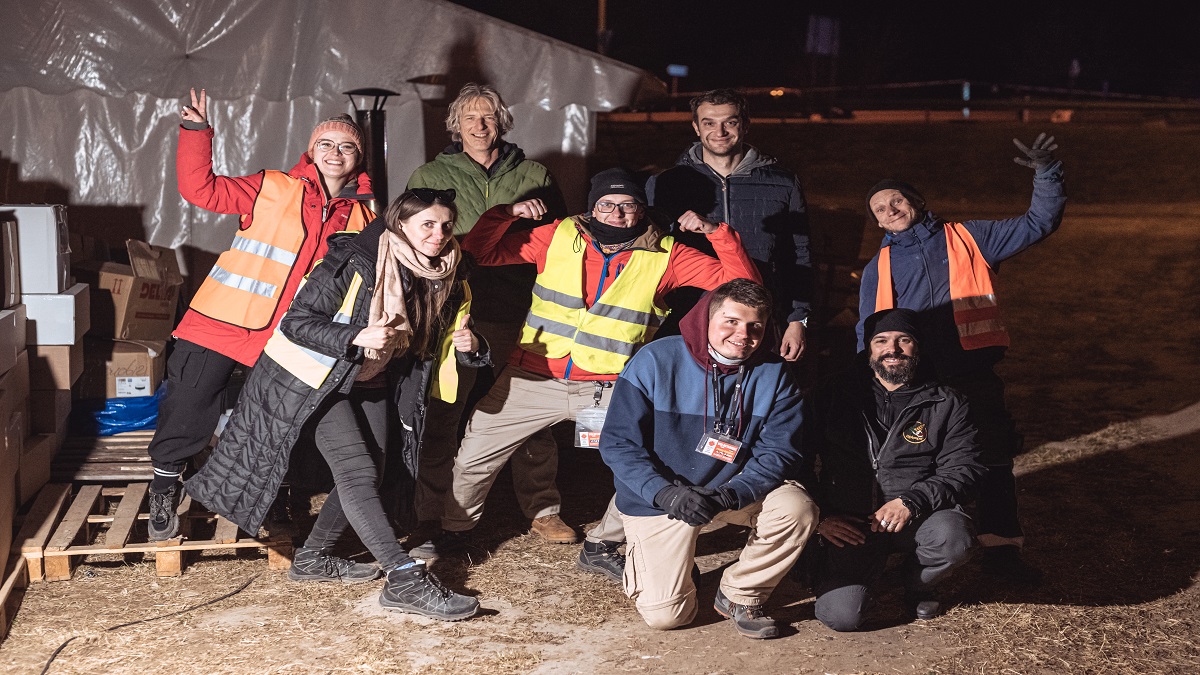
x: 285, y: 221
x: 946, y: 272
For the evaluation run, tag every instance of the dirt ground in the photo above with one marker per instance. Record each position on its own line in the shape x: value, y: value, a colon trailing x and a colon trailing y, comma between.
x: 1101, y: 379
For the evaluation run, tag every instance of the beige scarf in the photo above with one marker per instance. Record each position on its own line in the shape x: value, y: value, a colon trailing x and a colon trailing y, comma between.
x: 387, y: 303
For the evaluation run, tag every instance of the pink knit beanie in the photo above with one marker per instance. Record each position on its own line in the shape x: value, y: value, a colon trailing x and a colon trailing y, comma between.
x: 343, y: 123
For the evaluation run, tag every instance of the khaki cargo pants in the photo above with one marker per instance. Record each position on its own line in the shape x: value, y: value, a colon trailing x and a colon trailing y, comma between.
x: 661, y: 551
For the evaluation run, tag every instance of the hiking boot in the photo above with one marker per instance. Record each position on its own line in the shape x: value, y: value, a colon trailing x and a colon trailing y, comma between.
x: 415, y: 590
x: 602, y: 558
x: 1005, y: 561
x: 554, y: 530
x: 445, y: 544
x: 163, y: 523
x: 749, y: 620
x: 314, y: 564
x: 924, y: 605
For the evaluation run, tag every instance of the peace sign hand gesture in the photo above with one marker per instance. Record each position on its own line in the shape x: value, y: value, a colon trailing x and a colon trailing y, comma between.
x: 198, y: 111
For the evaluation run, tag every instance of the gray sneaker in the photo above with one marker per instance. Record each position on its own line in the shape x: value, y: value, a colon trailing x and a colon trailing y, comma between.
x: 749, y: 620
x: 416, y: 591
x: 602, y: 558
x: 314, y: 564
x: 163, y: 523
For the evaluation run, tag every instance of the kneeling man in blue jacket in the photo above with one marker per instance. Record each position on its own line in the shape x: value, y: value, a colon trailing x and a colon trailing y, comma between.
x: 705, y: 426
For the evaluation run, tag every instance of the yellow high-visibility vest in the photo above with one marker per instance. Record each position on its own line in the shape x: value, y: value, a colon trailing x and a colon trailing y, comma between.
x: 246, y: 284
x: 600, y: 339
x: 972, y: 290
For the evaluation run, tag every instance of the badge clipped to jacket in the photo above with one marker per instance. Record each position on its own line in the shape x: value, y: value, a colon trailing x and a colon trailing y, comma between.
x: 722, y: 441
x: 590, y: 421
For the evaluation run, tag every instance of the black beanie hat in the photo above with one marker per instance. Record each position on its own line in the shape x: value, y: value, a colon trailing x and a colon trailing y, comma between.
x: 616, y: 181
x: 910, y: 193
x: 903, y: 320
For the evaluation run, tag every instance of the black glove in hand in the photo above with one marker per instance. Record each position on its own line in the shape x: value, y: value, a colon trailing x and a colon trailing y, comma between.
x: 726, y: 498
x: 692, y: 504
x: 1040, y: 154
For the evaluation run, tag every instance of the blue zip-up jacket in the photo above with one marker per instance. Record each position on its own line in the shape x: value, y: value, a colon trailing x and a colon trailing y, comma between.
x: 763, y: 201
x: 656, y: 418
x: 921, y: 272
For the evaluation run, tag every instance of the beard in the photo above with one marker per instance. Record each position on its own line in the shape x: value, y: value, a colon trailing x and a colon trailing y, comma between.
x: 902, y: 373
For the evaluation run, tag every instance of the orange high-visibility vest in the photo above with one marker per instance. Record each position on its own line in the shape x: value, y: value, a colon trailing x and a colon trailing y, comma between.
x: 972, y: 290
x: 246, y: 284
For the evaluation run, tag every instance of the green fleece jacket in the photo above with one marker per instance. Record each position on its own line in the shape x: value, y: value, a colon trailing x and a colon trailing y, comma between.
x: 511, y: 179
x: 501, y: 294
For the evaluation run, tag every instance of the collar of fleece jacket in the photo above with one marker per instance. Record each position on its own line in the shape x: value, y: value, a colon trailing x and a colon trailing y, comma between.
x: 694, y: 329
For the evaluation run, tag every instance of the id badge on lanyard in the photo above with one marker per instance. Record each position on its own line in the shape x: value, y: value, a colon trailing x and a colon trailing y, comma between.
x: 590, y: 421
x: 723, y: 441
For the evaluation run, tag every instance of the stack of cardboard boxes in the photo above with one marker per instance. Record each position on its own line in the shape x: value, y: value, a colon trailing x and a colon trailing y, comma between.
x: 41, y: 350
x: 133, y: 314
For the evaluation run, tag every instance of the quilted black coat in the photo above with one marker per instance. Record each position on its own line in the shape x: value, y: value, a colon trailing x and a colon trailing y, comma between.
x: 242, y: 477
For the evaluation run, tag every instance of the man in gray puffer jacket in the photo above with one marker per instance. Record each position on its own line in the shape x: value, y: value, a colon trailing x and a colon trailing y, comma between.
x: 726, y: 180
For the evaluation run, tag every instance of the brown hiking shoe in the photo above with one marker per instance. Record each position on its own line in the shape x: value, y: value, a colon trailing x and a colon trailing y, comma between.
x: 554, y: 530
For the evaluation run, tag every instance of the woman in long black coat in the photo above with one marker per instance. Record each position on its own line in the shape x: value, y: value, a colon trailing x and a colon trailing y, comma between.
x: 366, y: 331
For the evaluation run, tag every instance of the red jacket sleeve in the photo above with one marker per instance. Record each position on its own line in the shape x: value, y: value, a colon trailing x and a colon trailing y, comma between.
x: 200, y: 186
x: 491, y: 243
x: 689, y: 267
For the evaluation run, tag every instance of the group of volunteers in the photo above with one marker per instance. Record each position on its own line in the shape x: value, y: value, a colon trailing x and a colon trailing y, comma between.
x: 667, y: 319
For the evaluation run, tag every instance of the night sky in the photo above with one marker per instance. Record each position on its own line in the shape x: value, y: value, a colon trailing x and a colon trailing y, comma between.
x: 1136, y: 47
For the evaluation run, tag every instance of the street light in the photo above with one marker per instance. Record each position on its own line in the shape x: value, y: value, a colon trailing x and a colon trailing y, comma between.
x: 373, y: 122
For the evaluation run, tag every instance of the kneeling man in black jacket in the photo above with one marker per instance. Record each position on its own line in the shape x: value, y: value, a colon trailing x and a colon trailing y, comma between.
x: 898, y: 458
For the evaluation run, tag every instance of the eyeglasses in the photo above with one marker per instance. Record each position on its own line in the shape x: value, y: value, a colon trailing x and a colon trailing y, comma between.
x: 429, y: 195
x: 344, y: 148
x: 627, y: 207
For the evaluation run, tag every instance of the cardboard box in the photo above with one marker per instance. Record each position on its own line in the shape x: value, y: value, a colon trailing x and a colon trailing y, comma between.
x: 55, y: 366
x: 136, y: 301
x: 14, y: 388
x: 10, y: 459
x: 45, y: 251
x: 59, y: 318
x: 49, y: 410
x: 33, y: 471
x: 121, y: 369
x: 12, y: 336
x: 10, y: 260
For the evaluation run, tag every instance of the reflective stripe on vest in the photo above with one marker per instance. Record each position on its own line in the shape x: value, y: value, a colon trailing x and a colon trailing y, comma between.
x: 247, y: 283
x: 972, y: 290
x: 603, y: 338
x: 445, y: 379
x: 308, y: 366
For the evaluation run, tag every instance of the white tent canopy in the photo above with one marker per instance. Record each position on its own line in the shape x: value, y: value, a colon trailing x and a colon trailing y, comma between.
x: 90, y: 94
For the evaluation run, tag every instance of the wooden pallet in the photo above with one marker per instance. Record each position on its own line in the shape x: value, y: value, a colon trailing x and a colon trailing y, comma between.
x: 63, y: 526
x: 121, y: 458
x: 12, y: 591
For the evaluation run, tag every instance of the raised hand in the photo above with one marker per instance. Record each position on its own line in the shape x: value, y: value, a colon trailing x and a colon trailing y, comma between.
x: 1038, y: 155
x: 533, y: 209
x: 691, y: 221
x: 198, y: 110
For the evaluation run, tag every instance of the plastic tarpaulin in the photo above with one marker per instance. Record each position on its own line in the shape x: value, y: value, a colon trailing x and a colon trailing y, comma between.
x: 90, y: 95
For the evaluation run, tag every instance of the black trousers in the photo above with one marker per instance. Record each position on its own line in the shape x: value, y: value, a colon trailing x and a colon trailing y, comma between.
x: 844, y: 576
x: 351, y: 433
x: 192, y: 405
x: 998, y: 522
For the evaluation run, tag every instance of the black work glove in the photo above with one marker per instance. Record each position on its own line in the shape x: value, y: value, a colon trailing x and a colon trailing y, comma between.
x: 692, y: 504
x: 726, y: 498
x: 1040, y: 154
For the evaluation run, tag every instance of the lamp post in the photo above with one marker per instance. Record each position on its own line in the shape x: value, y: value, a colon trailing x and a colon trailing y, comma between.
x: 373, y: 122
